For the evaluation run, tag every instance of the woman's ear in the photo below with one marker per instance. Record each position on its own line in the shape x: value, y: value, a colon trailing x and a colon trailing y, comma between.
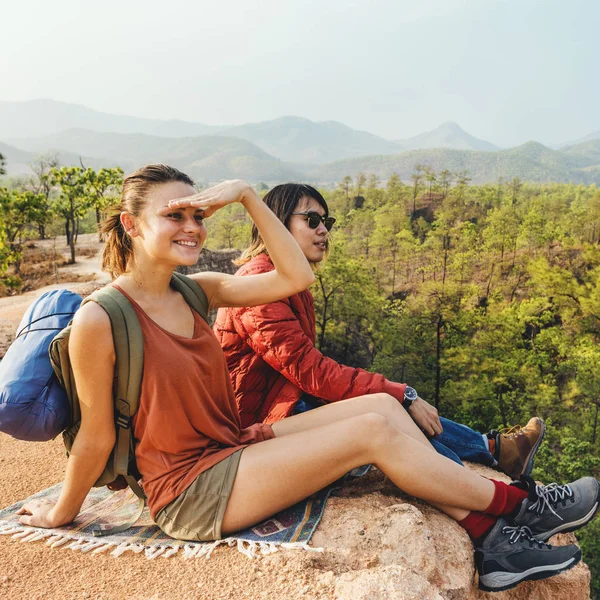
x: 128, y: 223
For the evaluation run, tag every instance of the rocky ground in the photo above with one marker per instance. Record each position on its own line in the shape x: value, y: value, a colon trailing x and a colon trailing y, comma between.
x: 378, y: 543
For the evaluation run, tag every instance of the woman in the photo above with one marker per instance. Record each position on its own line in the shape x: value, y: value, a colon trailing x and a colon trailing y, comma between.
x: 277, y: 371
x: 204, y: 474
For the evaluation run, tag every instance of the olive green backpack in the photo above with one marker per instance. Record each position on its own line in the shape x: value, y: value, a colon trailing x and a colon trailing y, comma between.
x: 120, y: 469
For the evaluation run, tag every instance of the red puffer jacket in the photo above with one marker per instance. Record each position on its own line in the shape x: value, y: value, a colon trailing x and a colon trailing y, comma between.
x: 272, y: 358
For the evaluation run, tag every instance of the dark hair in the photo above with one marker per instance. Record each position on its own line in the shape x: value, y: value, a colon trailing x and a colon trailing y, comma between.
x: 283, y: 200
x: 118, y: 250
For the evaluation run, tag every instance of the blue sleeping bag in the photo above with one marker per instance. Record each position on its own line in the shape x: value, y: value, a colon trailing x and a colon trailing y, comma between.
x: 33, y: 405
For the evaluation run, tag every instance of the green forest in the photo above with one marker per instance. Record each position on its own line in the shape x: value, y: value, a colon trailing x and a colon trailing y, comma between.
x: 485, y: 298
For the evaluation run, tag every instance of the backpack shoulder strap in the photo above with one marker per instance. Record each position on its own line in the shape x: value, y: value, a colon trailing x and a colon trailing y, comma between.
x: 129, y: 365
x: 192, y: 292
x: 129, y: 346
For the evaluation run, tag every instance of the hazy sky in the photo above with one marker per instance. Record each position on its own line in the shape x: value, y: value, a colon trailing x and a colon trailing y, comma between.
x: 506, y: 70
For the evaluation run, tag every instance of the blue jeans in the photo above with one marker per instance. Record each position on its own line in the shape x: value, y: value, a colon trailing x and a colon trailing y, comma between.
x: 459, y: 441
x: 455, y: 442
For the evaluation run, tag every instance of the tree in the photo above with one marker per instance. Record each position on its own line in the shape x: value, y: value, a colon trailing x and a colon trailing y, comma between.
x: 361, y: 180
x: 374, y: 195
x: 360, y: 227
x: 17, y: 210
x: 394, y: 187
x: 462, y: 182
x: 417, y: 178
x: 445, y: 180
x: 5, y: 253
x: 347, y: 306
x: 41, y: 184
x: 345, y: 186
x: 229, y: 228
x: 515, y: 185
x: 389, y: 223
x: 102, y: 188
x: 431, y: 179
x: 2, y: 164
x: 73, y: 202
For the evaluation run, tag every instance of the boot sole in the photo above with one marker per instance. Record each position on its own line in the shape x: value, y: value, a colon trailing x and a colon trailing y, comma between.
x: 498, y: 582
x: 529, y: 462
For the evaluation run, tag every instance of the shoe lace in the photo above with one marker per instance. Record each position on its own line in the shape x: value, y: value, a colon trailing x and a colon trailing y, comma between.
x: 513, y: 431
x: 522, y: 533
x: 548, y: 496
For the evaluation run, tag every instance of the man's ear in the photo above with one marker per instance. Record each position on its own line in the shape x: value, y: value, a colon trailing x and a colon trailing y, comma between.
x: 128, y: 223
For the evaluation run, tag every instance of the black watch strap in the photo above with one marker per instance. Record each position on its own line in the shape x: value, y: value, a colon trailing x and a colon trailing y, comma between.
x: 406, y: 403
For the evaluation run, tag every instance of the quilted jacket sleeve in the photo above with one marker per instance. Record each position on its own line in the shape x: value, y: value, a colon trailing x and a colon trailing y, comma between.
x: 274, y: 333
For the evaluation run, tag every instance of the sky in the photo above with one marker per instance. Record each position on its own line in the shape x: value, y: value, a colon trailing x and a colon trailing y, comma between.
x: 507, y: 71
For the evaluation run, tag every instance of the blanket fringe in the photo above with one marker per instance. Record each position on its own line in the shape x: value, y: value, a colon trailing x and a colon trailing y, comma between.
x: 61, y: 542
x: 103, y: 548
x: 8, y: 529
x: 251, y: 549
x: 22, y: 534
x: 171, y: 551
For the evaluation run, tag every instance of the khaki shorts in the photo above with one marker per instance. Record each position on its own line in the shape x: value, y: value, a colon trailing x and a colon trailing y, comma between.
x: 197, y: 514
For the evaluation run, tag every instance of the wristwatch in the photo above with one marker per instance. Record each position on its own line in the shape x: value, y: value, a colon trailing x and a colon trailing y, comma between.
x: 410, y: 395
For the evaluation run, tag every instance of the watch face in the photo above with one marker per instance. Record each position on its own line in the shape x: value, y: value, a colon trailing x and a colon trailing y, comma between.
x: 410, y: 393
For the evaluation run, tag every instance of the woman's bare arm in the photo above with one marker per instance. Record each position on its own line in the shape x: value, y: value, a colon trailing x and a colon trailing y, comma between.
x: 92, y: 355
x: 292, y: 272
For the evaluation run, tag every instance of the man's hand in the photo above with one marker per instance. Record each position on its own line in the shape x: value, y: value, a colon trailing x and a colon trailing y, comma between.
x: 426, y: 417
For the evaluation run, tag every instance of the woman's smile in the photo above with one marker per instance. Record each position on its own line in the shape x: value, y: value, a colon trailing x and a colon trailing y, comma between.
x: 187, y: 243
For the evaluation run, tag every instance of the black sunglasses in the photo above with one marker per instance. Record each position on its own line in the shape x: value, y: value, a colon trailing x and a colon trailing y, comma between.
x: 315, y: 219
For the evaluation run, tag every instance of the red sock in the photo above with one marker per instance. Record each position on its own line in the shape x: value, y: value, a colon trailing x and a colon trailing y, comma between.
x: 477, y: 525
x: 506, y: 498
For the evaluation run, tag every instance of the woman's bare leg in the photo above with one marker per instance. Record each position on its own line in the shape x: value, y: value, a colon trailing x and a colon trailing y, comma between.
x: 275, y: 474
x: 382, y: 404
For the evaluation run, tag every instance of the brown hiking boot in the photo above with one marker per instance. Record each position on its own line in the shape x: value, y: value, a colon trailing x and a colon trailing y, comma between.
x: 516, y: 447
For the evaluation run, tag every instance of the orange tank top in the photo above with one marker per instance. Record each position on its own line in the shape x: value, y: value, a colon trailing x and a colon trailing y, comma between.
x: 187, y: 420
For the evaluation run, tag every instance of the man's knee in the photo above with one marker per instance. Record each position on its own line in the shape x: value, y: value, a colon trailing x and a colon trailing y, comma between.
x: 383, y: 401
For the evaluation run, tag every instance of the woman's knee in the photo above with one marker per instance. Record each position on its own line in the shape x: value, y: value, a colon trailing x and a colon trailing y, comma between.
x: 377, y: 431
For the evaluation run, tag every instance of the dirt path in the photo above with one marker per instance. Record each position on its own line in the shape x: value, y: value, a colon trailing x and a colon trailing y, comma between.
x: 87, y: 267
x: 32, y: 571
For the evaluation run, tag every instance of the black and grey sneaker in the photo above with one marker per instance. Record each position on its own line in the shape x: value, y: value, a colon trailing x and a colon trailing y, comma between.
x: 551, y: 509
x: 509, y: 555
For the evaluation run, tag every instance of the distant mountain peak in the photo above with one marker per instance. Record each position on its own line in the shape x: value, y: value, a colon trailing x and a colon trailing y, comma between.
x: 289, y: 119
x: 447, y: 135
x: 452, y: 126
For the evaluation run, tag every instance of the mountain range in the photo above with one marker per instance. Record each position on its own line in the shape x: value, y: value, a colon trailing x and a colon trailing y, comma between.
x: 530, y: 162
x: 276, y: 150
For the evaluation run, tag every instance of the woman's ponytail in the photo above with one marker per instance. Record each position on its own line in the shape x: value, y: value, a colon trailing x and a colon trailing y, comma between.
x: 117, y: 248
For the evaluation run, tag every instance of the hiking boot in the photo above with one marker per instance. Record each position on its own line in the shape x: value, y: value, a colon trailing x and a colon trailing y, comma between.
x: 551, y: 509
x: 515, y: 448
x: 509, y: 555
